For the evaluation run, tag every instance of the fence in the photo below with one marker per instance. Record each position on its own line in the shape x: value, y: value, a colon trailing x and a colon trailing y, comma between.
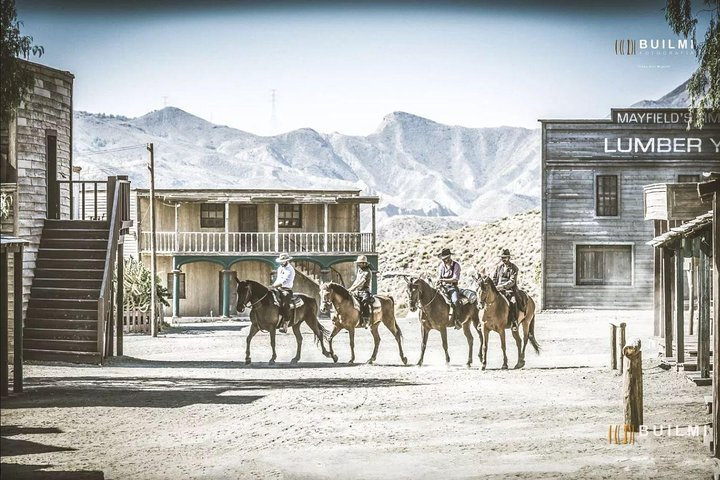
x: 136, y: 321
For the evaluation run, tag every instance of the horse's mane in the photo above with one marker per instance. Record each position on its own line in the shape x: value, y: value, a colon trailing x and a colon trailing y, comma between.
x: 254, y: 286
x: 340, y: 290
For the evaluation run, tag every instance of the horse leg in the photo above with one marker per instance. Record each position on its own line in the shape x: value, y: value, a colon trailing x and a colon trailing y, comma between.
x: 521, y: 360
x: 476, y: 324
x: 253, y: 330
x: 443, y: 336
x: 335, y: 331
x: 502, y: 344
x: 394, y: 328
x: 486, y: 332
x: 376, y: 339
x: 468, y: 335
x: 312, y: 322
x: 272, y: 345
x: 351, y: 334
x: 424, y: 333
x: 298, y: 339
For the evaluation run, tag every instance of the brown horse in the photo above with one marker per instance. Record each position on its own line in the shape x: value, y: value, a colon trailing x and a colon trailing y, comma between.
x: 348, y: 317
x: 264, y: 315
x: 435, y: 315
x: 496, y: 316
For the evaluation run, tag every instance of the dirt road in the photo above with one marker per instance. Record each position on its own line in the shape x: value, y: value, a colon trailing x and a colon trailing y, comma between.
x: 185, y: 406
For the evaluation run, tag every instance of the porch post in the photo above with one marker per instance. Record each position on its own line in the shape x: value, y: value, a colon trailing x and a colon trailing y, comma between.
x: 226, y: 292
x: 679, y: 305
x: 325, y: 225
x: 667, y: 300
x: 176, y: 290
x: 177, y: 228
x: 703, y: 349
x: 227, y: 226
x: 373, y: 229
x: 374, y: 267
x: 18, y: 319
x: 277, y: 227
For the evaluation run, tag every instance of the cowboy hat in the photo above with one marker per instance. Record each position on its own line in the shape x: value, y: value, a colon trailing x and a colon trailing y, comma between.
x: 284, y: 257
x: 361, y: 259
x: 445, y: 253
x: 505, y: 253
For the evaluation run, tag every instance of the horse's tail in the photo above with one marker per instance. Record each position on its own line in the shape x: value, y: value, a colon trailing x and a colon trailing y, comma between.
x: 531, y: 335
x: 313, y: 312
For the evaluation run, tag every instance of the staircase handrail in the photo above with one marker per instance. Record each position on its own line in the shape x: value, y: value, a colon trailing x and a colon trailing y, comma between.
x: 117, y: 217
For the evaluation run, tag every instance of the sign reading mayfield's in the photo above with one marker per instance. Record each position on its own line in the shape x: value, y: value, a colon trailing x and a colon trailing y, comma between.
x: 634, y: 134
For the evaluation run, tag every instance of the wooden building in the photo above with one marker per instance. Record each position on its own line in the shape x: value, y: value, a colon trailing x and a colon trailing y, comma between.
x: 205, y: 238
x: 594, y: 233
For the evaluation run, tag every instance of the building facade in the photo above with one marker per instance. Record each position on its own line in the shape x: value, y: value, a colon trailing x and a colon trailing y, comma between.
x: 207, y: 238
x: 35, y: 165
x: 594, y: 233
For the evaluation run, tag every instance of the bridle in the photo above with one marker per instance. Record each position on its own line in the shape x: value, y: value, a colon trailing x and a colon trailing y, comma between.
x: 483, y: 292
x: 245, y: 303
x: 417, y: 301
x: 326, y: 302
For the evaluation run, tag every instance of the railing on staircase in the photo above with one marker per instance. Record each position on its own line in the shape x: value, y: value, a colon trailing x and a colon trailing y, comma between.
x: 88, y: 199
x: 118, y: 215
x: 311, y: 270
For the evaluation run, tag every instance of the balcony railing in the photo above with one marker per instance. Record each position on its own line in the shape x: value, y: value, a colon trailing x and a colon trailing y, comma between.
x: 259, y: 242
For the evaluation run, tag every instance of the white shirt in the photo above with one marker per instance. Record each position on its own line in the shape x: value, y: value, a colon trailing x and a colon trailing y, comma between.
x: 285, y: 276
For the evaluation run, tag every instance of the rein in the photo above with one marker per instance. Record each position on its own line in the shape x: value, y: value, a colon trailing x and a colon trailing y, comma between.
x: 252, y: 304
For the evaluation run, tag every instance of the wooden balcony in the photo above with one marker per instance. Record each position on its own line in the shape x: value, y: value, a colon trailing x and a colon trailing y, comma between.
x: 239, y: 243
x: 673, y: 201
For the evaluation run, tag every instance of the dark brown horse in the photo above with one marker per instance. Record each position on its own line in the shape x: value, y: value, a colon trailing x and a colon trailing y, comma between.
x: 347, y: 317
x: 496, y: 318
x: 264, y: 315
x: 435, y: 315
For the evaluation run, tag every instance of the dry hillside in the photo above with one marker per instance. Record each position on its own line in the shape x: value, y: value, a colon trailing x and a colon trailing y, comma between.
x: 475, y: 247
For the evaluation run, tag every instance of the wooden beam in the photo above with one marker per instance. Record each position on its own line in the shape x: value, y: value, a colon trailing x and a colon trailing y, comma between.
x: 4, y: 334
x: 633, y: 386
x: 679, y: 305
x: 657, y: 284
x: 716, y: 321
x: 667, y: 308
x: 18, y: 319
x: 703, y: 354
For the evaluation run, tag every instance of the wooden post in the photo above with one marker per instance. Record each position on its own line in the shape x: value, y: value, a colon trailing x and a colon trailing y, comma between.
x: 667, y: 282
x: 277, y: 227
x: 18, y: 319
x: 679, y: 305
x: 153, y: 246
x: 325, y: 225
x: 622, y: 346
x: 227, y: 227
x: 657, y: 284
x: 691, y: 294
x: 177, y: 228
x: 633, y: 386
x: 120, y: 298
x: 613, y: 346
x: 374, y: 231
x: 4, y: 333
x: 703, y: 355
x: 716, y: 317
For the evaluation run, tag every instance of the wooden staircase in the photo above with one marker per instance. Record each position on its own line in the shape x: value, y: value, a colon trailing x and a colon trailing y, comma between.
x: 62, y: 317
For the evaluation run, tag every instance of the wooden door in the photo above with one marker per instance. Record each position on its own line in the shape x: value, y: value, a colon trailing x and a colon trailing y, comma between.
x: 248, y: 224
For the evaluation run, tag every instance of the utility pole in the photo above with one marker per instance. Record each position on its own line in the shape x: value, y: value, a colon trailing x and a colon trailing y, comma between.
x: 153, y: 264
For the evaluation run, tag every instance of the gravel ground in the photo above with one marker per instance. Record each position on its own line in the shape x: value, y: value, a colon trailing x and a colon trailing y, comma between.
x: 184, y: 405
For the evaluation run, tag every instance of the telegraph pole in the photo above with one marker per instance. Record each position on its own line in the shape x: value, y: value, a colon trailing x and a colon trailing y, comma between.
x: 153, y: 264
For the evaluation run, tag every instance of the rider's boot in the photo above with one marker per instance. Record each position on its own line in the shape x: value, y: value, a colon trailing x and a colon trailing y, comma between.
x: 513, y: 317
x: 456, y: 318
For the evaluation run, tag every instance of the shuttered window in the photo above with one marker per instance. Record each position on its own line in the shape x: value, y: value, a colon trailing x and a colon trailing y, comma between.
x: 606, y: 195
x: 603, y: 264
x: 212, y: 215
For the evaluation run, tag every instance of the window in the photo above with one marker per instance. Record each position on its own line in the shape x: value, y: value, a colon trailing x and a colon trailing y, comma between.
x: 181, y: 293
x: 212, y: 215
x: 290, y: 216
x: 603, y: 264
x: 606, y: 195
x: 688, y: 178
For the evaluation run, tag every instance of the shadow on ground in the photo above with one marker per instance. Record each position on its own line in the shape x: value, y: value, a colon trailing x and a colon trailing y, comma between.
x: 166, y: 392
x: 133, y: 362
x: 12, y: 447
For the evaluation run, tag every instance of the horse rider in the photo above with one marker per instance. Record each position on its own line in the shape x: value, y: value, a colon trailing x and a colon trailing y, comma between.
x: 361, y: 289
x: 284, y: 279
x: 448, y: 278
x: 505, y: 279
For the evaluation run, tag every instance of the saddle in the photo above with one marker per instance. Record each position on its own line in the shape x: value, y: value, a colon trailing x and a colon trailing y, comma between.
x: 295, y: 302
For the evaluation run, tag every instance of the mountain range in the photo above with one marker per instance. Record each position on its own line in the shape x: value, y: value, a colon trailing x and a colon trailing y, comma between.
x: 417, y: 166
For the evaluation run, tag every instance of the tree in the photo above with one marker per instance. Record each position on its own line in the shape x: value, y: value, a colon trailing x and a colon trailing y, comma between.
x: 704, y: 85
x: 16, y: 78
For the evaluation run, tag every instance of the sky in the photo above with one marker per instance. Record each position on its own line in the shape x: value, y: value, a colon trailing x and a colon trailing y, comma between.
x: 342, y: 66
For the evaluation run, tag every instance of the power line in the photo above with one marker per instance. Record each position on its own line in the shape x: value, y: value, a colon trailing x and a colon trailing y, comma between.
x: 111, y: 150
